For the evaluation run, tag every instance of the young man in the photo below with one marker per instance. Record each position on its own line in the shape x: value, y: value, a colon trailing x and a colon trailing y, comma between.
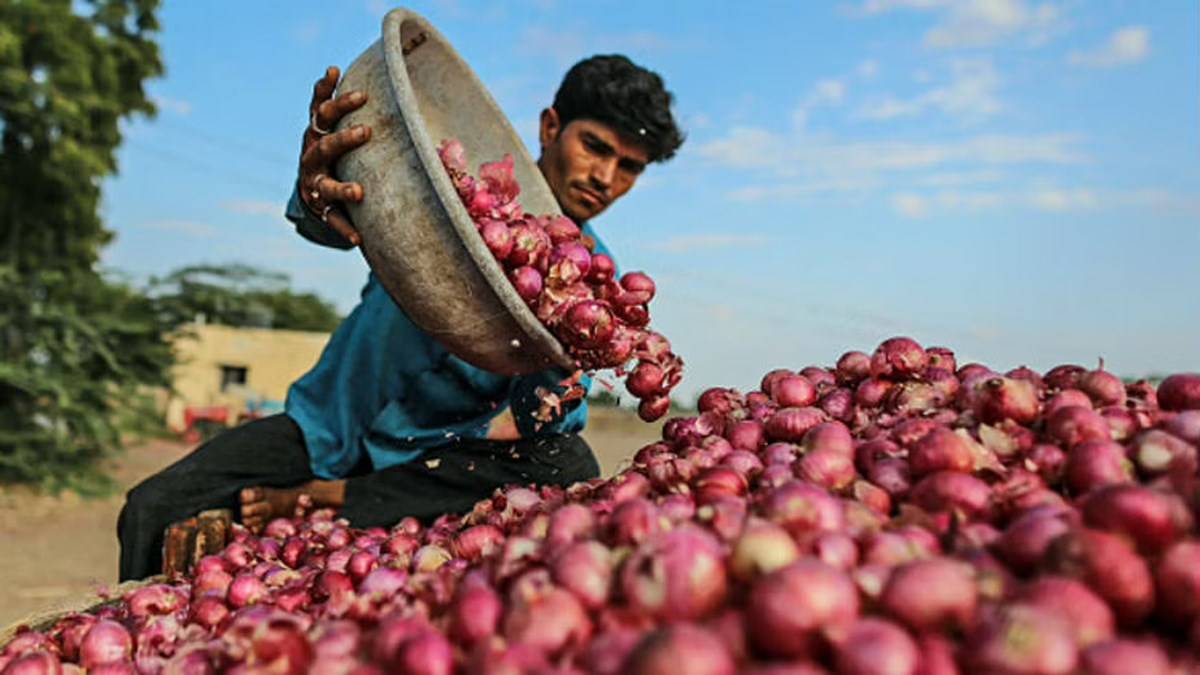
x: 388, y: 423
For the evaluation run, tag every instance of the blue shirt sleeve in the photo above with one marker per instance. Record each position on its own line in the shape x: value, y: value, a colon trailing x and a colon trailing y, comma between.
x: 310, y: 226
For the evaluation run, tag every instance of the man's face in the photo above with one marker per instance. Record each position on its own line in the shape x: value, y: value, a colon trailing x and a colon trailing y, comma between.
x: 587, y: 164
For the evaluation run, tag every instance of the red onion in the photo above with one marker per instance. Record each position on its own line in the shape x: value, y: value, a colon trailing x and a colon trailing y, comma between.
x: 1119, y: 657
x: 952, y: 491
x: 1178, y: 578
x: 892, y: 475
x: 1072, y: 425
x: 746, y: 435
x: 1002, y: 398
x: 787, y: 609
x: 1110, y: 567
x: 853, y: 366
x: 1093, y: 464
x: 931, y: 594
x: 870, y: 392
x: 1180, y: 392
x: 1184, y: 425
x: 1026, y: 539
x: 829, y: 468
x: 680, y: 648
x: 527, y: 281
x: 1155, y: 452
x: 876, y: 647
x: 793, y: 391
x: 898, y: 357
x: 1089, y: 616
x: 105, y: 642
x: 585, y: 568
x: 838, y: 404
x: 1064, y: 376
x: 675, y: 575
x: 801, y: 507
x: 1023, y: 639
x: 762, y: 547
x: 790, y: 424
x: 940, y: 450
x: 1151, y: 520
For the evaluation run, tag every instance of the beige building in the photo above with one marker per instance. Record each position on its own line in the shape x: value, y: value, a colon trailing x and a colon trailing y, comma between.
x: 238, y: 369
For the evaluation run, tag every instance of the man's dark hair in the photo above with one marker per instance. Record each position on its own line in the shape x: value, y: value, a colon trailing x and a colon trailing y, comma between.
x: 615, y: 91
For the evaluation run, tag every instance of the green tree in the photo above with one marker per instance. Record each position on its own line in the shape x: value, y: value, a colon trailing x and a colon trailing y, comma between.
x: 77, y: 346
x: 240, y: 295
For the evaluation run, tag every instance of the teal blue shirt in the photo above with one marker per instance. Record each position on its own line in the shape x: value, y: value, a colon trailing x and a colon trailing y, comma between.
x: 385, y: 390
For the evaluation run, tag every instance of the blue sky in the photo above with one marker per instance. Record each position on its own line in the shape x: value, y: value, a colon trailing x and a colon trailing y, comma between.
x: 1017, y: 180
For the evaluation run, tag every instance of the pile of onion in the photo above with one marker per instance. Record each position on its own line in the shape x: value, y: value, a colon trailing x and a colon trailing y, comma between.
x: 894, y: 513
x: 601, y: 319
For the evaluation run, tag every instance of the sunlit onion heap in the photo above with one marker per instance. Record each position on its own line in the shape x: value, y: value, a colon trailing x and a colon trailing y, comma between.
x: 600, y: 319
x: 894, y: 514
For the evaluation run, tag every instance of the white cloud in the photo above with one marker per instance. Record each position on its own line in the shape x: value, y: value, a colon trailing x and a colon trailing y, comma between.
x: 1060, y: 200
x: 827, y: 92
x: 184, y: 227
x: 970, y: 94
x: 977, y: 23
x: 950, y: 179
x: 1130, y: 44
x: 910, y: 205
x: 868, y: 69
x: 692, y: 242
x: 253, y: 207
x: 175, y: 105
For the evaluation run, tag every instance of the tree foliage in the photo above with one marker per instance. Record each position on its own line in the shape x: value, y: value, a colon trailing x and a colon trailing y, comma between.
x: 77, y: 346
x: 240, y: 295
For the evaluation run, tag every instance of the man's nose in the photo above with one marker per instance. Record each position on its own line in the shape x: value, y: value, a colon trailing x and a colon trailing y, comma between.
x: 603, y: 172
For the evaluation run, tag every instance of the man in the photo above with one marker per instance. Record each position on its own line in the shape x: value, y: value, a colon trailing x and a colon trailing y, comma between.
x: 388, y: 423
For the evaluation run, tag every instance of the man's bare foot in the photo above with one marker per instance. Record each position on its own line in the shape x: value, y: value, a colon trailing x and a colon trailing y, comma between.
x: 261, y: 505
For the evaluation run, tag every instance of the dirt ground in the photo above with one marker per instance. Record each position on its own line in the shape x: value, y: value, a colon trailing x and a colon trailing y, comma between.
x: 59, y: 548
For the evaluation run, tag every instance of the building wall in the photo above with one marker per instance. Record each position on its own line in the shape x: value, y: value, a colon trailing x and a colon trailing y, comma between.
x: 273, y: 359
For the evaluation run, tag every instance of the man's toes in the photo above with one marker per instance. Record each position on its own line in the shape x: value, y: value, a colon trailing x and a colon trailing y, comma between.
x: 251, y: 494
x: 253, y: 524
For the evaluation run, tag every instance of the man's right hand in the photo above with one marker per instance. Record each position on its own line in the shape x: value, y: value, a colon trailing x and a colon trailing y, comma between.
x: 319, y: 190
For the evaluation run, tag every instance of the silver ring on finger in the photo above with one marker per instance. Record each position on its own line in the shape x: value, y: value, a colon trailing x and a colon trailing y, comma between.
x: 312, y: 124
x: 325, y: 213
x: 315, y: 191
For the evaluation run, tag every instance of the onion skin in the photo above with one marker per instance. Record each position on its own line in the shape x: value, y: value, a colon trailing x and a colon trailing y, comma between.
x: 1177, y: 577
x: 1089, y: 616
x: 1151, y: 519
x: 1023, y: 639
x: 898, y: 357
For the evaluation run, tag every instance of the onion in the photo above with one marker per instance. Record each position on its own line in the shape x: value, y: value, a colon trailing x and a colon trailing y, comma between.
x: 1156, y: 451
x: 1184, y: 425
x: 953, y: 491
x: 716, y: 482
x: 788, y: 609
x: 527, y: 281
x: 1151, y: 520
x: 245, y: 590
x: 1103, y: 388
x: 762, y: 547
x: 898, y: 357
x: 633, y: 521
x: 1089, y: 616
x: 870, y: 392
x: 1118, y: 657
x: 478, y: 541
x: 1026, y: 539
x: 838, y: 404
x: 105, y: 642
x: 1093, y: 464
x: 1001, y: 398
x: 1023, y: 639
x: 1110, y: 567
x: 931, y: 594
x: 1064, y: 376
x: 892, y: 475
x: 680, y: 648
x: 1177, y: 576
x: 1048, y: 460
x: 585, y: 568
x: 1072, y: 425
x: 587, y: 324
x: 876, y: 647
x: 1180, y: 392
x: 793, y: 391
x: 790, y: 424
x: 746, y: 435
x: 940, y: 450
x: 852, y: 367
x: 801, y: 507
x: 833, y: 436
x: 676, y: 575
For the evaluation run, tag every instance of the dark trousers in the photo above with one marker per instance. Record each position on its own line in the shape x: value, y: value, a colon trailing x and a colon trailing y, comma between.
x: 270, y: 452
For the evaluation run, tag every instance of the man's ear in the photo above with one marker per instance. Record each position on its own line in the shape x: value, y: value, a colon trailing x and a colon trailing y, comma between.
x: 549, y: 127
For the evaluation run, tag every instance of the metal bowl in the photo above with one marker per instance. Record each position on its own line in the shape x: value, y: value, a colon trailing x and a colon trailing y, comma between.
x: 416, y: 234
